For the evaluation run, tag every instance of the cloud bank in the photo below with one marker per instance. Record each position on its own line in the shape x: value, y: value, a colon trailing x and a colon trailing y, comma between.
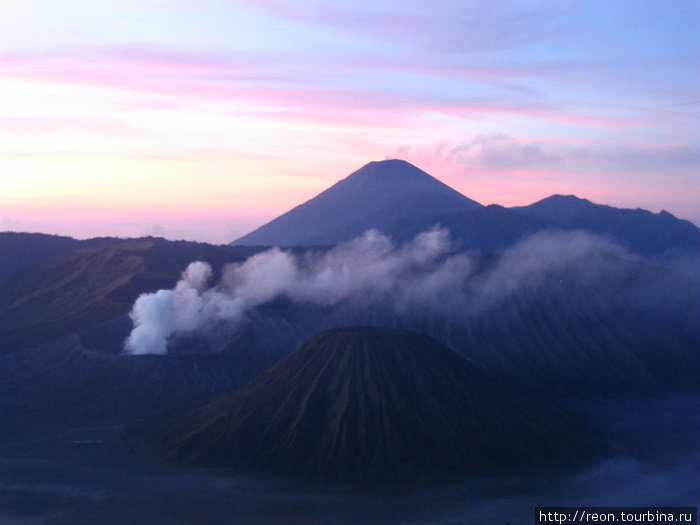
x: 367, y: 275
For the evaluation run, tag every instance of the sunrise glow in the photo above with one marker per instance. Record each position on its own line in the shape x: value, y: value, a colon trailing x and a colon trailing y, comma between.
x: 202, y: 120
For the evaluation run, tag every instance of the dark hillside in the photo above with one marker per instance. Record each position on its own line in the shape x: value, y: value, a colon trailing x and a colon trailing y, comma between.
x: 368, y: 404
x: 79, y: 290
x: 487, y: 230
x: 20, y: 251
x: 62, y: 385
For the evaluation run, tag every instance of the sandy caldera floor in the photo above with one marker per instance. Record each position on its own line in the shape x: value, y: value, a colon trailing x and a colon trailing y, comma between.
x: 89, y: 475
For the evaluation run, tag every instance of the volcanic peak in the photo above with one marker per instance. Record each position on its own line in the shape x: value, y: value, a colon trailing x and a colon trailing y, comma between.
x: 367, y: 405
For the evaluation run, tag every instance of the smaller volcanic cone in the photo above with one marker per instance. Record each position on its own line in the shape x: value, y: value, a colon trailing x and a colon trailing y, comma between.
x: 369, y: 404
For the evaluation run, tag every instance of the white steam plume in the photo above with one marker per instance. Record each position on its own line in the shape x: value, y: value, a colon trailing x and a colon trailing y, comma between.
x: 158, y: 315
x: 365, y: 275
x: 367, y: 270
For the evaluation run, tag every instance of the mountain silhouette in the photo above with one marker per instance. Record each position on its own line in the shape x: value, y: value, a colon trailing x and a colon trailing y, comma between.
x: 402, y: 201
x: 19, y: 251
x: 365, y: 404
x: 375, y: 196
x: 638, y: 230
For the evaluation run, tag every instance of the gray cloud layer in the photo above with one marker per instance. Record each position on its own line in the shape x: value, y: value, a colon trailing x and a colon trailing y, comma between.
x: 368, y: 274
x: 503, y: 151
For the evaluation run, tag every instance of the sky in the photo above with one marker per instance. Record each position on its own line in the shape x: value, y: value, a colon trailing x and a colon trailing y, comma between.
x: 203, y: 119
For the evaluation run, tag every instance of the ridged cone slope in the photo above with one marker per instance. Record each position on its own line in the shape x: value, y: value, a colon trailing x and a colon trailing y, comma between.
x: 367, y: 404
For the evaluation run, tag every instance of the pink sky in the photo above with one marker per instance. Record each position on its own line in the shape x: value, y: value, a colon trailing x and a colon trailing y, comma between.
x: 203, y: 120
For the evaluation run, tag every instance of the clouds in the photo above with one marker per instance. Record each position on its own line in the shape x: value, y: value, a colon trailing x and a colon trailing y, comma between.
x: 460, y: 52
x: 366, y: 279
x: 505, y: 152
x: 510, y: 170
x: 442, y: 26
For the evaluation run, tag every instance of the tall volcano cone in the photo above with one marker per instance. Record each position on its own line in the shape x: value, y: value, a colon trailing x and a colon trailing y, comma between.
x: 375, y: 196
x: 368, y: 404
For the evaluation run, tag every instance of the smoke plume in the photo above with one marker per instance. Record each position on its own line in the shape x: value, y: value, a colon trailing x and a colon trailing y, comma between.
x: 367, y: 270
x: 158, y: 315
x: 367, y: 274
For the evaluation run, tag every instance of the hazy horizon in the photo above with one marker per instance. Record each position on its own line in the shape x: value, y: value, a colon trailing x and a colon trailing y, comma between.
x: 216, y: 234
x: 204, y: 120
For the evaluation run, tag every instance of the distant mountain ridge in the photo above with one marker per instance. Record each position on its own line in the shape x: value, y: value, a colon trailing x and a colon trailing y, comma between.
x: 402, y: 201
x: 19, y: 251
x: 638, y: 230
